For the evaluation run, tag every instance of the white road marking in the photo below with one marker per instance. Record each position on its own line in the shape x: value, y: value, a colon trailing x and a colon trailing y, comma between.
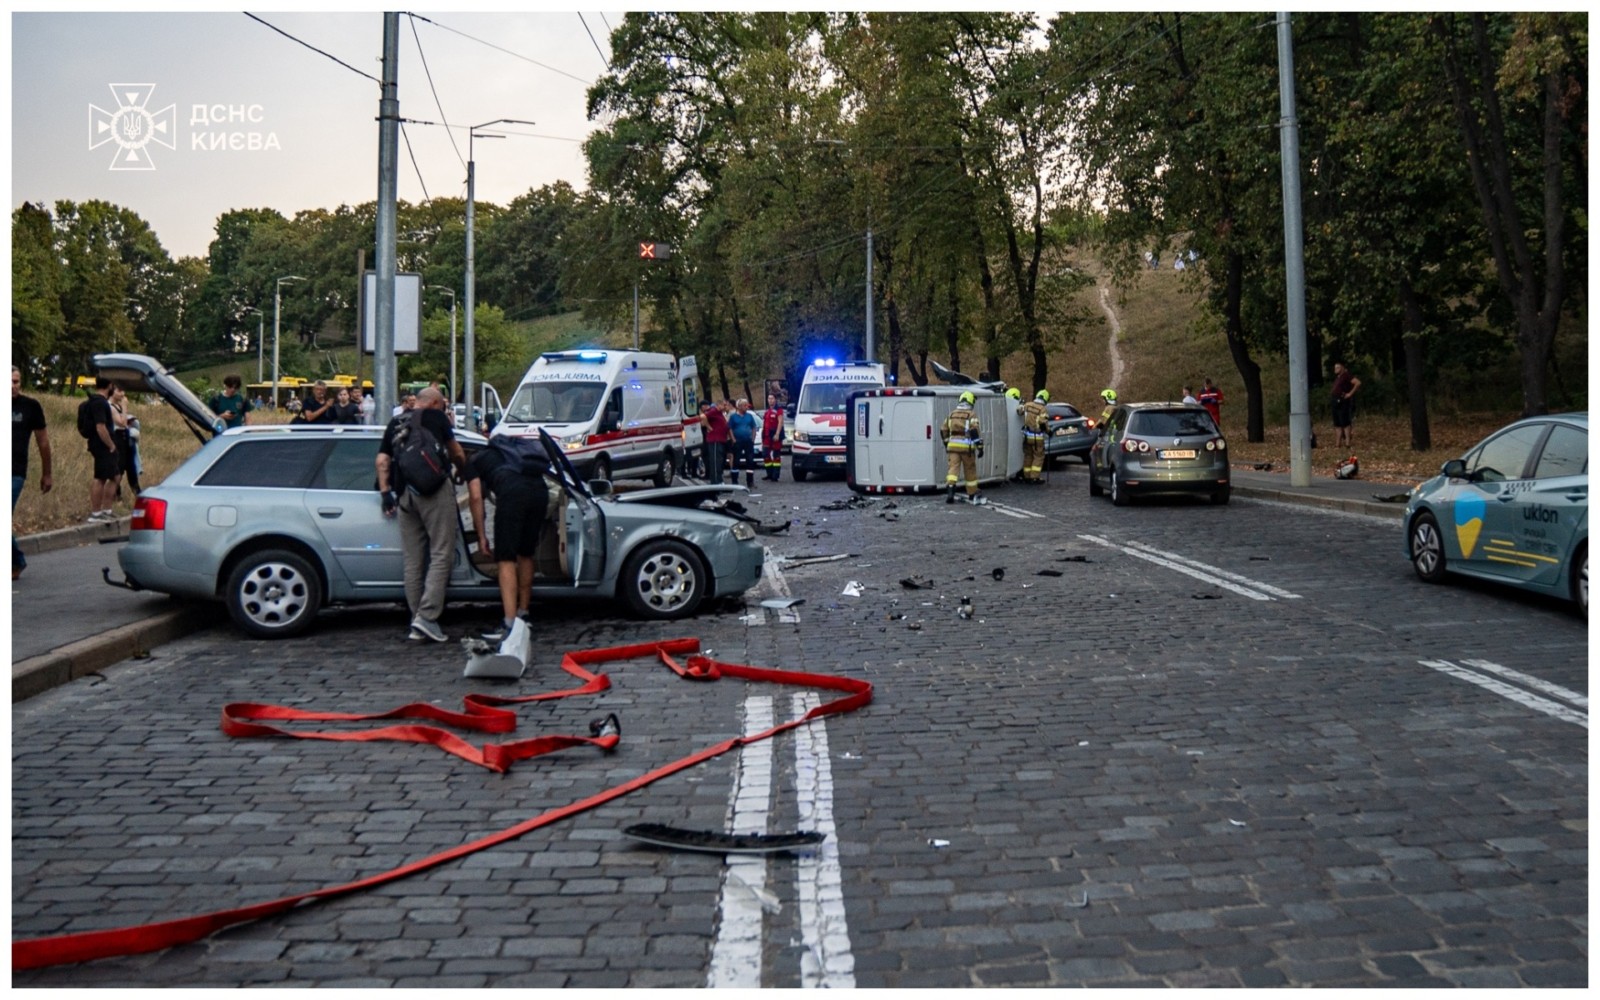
x: 736, y: 952
x: 1256, y: 584
x: 1208, y: 577
x: 1521, y: 697
x: 1527, y: 680
x: 827, y: 961
x: 1007, y: 509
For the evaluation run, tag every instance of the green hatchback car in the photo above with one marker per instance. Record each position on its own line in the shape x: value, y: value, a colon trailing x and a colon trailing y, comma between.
x: 1514, y: 509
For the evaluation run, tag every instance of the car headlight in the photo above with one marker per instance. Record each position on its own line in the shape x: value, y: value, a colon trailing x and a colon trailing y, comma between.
x: 800, y: 437
x: 743, y: 531
x: 572, y: 442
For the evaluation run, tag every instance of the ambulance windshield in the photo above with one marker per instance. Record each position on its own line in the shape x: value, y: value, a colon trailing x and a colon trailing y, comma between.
x: 830, y: 397
x: 555, y: 402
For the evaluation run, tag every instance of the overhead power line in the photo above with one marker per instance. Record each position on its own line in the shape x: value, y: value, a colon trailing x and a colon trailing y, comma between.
x: 596, y: 43
x: 313, y: 48
x: 436, y: 102
x: 500, y: 48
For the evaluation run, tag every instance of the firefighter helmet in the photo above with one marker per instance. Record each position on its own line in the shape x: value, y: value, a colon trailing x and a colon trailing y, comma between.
x: 1043, y: 395
x: 968, y: 398
x: 1013, y: 393
x: 1109, y: 395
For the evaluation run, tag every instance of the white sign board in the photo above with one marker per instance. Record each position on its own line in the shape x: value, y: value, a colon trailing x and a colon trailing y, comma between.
x: 407, y: 313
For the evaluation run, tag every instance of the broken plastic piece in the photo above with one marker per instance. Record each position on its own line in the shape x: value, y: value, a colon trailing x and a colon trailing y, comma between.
x: 768, y: 901
x: 935, y: 843
x: 851, y: 589
x: 965, y: 609
x: 916, y: 583
x: 714, y: 842
x: 1048, y: 572
x: 782, y: 602
x: 608, y: 726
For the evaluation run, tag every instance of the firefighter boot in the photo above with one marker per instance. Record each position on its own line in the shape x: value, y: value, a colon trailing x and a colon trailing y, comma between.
x: 950, y: 493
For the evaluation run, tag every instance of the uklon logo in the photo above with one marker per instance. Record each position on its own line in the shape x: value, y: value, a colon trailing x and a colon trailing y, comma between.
x: 133, y: 126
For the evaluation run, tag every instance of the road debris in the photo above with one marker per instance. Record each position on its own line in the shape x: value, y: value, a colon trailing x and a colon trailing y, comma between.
x: 716, y: 842
x: 1048, y: 572
x: 999, y: 573
x: 936, y: 844
x: 916, y: 583
x: 965, y: 609
x: 851, y: 589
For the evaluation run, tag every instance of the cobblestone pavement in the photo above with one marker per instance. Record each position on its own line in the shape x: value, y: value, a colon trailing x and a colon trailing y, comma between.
x: 1114, y: 773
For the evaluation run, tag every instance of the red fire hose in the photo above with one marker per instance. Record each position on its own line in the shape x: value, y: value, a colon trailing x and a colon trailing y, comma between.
x: 481, y: 714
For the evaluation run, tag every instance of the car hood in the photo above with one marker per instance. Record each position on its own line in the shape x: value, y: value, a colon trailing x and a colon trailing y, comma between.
x: 687, y: 497
x: 142, y: 373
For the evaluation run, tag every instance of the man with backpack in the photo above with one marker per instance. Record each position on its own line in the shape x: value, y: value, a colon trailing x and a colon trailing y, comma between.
x: 512, y: 470
x: 414, y: 478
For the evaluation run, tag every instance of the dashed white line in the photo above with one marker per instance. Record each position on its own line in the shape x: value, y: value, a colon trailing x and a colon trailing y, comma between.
x: 1255, y: 584
x: 1504, y: 690
x: 1255, y: 591
x: 1527, y: 680
x: 736, y: 952
x: 827, y: 960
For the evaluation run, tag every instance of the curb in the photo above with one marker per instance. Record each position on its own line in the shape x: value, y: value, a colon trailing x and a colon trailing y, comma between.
x: 38, y: 674
x: 74, y: 536
x: 1393, y: 511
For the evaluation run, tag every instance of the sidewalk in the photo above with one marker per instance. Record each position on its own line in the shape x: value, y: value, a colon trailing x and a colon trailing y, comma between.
x: 65, y: 622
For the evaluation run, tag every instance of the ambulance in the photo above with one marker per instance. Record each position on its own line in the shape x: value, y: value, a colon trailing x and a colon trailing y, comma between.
x: 616, y: 414
x: 821, y: 412
x: 892, y: 444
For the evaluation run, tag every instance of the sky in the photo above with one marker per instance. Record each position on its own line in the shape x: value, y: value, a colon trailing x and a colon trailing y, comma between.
x: 304, y: 126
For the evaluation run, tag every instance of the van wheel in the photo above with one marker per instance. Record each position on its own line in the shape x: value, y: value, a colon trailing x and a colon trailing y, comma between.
x: 665, y: 470
x: 602, y: 468
x: 798, y: 473
x: 663, y: 580
x: 274, y: 594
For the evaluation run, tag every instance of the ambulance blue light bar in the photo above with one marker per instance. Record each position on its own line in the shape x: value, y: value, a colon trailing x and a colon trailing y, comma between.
x: 824, y: 363
x: 594, y: 356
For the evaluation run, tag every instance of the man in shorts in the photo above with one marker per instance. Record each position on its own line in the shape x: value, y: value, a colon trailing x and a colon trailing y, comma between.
x: 1344, y: 407
x: 516, y: 482
x: 102, y: 454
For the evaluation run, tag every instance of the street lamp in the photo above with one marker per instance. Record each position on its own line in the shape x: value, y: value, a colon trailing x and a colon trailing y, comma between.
x: 261, y: 347
x: 472, y: 133
x: 455, y: 387
x: 277, y: 309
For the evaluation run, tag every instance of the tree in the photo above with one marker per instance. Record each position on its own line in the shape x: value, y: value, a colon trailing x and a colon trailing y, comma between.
x: 519, y: 255
x: 95, y: 283
x: 1517, y: 87
x: 37, y: 322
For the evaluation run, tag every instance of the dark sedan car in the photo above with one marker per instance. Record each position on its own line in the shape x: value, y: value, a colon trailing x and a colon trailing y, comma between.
x: 1069, y: 434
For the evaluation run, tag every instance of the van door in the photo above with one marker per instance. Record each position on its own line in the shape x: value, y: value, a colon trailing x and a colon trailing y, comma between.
x: 489, y: 402
x: 689, y: 399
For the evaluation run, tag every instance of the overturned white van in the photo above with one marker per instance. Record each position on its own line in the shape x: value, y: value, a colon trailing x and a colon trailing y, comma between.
x: 892, y: 442
x: 616, y: 414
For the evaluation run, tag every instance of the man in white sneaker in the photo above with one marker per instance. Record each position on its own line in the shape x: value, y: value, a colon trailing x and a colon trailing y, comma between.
x: 102, y: 453
x: 428, y: 520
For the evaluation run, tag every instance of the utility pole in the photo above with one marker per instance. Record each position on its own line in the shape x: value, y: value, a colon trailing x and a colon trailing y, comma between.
x: 871, y: 353
x: 468, y: 350
x: 261, y: 348
x: 383, y: 367
x: 1294, y: 263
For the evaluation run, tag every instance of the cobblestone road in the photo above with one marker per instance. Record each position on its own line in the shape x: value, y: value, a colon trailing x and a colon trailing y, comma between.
x: 1126, y: 768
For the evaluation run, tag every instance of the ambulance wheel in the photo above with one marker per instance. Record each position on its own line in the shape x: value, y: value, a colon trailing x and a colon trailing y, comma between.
x: 664, y: 470
x: 602, y: 468
x: 663, y: 580
x: 798, y: 473
x: 274, y: 594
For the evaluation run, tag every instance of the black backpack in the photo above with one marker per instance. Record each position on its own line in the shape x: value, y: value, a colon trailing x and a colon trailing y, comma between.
x: 419, y: 456
x: 526, y: 456
x: 86, y: 420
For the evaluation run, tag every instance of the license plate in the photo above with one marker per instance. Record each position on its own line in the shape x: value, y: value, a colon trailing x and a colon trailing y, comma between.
x: 1172, y: 453
x: 833, y: 459
x: 1063, y: 432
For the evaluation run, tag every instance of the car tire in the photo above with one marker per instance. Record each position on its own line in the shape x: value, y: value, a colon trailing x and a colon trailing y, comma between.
x: 274, y: 594
x: 1094, y: 484
x: 663, y: 580
x: 1119, y: 495
x: 1580, y: 580
x: 1221, y: 496
x: 1427, y: 548
x: 602, y: 468
x: 798, y: 473
x: 665, y: 469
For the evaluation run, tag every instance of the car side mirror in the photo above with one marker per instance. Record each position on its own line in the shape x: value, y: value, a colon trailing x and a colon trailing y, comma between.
x: 1454, y: 469
x: 600, y: 487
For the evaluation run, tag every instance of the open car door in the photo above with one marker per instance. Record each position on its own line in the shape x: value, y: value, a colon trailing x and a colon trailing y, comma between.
x: 583, y: 522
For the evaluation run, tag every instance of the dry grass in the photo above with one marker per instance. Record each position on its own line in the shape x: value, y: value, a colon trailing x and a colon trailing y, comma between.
x: 165, y: 441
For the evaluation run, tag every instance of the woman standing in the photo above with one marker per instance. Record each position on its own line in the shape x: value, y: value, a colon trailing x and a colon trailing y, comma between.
x: 125, y: 432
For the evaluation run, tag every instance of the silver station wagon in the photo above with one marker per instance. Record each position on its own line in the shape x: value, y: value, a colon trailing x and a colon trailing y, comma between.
x: 278, y: 522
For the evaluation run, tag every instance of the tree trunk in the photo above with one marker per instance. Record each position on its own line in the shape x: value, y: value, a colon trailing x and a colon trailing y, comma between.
x: 1416, y: 359
x: 918, y: 375
x: 952, y: 332
x: 896, y: 338
x: 1249, y: 371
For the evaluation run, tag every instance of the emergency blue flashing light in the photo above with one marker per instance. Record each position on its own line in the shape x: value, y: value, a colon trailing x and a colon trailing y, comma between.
x: 824, y: 363
x: 591, y: 355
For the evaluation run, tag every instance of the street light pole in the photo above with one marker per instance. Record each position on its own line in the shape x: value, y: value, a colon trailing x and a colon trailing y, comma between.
x: 277, y: 311
x: 455, y: 387
x: 261, y: 332
x: 472, y: 282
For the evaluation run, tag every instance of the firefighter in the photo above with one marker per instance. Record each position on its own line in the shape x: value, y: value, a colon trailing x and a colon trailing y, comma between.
x: 963, y: 443
x: 1034, y: 419
x: 1110, y: 396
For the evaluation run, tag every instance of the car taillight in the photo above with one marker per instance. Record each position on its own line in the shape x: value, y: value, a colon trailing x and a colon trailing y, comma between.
x: 1216, y: 444
x: 1132, y: 445
x: 149, y: 514
x: 1089, y: 423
